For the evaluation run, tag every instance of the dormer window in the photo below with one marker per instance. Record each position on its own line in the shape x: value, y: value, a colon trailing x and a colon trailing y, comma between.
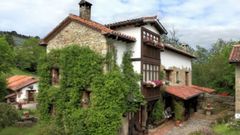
x: 55, y: 76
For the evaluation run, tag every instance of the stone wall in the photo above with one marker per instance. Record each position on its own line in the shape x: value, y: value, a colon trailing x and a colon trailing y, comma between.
x: 237, y: 91
x: 75, y: 33
x: 219, y: 103
x: 181, y: 75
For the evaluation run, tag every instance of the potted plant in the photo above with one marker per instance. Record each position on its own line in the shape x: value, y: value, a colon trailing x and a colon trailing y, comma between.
x: 178, y: 111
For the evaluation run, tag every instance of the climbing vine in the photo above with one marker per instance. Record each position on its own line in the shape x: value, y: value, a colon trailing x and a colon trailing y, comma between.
x: 80, y: 69
x: 134, y: 96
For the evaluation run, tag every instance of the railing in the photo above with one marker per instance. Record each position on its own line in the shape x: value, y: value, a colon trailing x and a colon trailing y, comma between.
x: 150, y: 93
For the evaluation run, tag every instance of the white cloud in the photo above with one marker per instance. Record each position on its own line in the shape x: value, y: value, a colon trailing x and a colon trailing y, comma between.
x: 197, y: 21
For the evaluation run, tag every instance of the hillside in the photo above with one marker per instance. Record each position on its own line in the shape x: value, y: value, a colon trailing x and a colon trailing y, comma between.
x: 14, y: 38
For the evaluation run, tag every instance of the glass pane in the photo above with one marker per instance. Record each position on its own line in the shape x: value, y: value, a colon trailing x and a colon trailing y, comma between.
x: 150, y: 71
x: 147, y: 75
x: 144, y: 76
x: 144, y: 65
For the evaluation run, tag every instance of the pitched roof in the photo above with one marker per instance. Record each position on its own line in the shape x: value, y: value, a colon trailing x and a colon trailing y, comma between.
x: 172, y: 48
x: 204, y: 89
x: 20, y: 81
x: 91, y: 24
x: 138, y: 21
x: 183, y: 92
x: 235, y: 54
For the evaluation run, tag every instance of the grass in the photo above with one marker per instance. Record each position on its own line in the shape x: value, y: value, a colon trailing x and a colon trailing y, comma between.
x: 223, y: 129
x: 20, y: 131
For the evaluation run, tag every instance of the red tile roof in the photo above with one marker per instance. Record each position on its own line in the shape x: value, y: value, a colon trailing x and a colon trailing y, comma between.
x: 170, y: 47
x: 235, y: 54
x: 142, y: 20
x: 204, y: 89
x: 89, y: 23
x: 19, y: 81
x: 183, y: 92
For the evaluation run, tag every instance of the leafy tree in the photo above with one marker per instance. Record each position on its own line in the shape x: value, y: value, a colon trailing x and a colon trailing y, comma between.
x: 6, y: 60
x: 212, y: 68
x: 28, y: 54
x: 6, y: 56
x: 3, y: 90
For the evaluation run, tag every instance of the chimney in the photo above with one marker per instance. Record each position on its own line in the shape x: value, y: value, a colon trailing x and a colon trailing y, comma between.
x: 85, y: 9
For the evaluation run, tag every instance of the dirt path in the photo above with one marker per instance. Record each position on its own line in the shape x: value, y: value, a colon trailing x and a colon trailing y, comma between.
x: 195, y: 123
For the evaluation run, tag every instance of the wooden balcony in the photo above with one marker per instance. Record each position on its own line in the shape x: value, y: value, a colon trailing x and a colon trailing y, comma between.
x: 152, y: 42
x: 151, y: 93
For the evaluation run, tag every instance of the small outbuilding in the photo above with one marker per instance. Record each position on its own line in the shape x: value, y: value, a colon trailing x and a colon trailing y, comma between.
x: 22, y: 89
x: 235, y: 59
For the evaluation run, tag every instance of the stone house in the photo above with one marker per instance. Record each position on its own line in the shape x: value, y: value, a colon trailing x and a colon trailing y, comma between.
x: 22, y: 89
x: 234, y: 58
x: 143, y: 37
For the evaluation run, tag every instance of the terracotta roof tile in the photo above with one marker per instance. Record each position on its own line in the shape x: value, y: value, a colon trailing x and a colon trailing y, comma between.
x: 204, y: 89
x: 235, y: 54
x: 171, y: 47
x: 94, y: 25
x: 141, y: 20
x: 19, y: 81
x: 183, y: 92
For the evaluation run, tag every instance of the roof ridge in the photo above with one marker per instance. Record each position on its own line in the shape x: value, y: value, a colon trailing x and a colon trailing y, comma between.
x: 131, y: 19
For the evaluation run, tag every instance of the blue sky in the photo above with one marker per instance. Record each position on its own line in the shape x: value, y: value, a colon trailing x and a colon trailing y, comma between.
x: 197, y: 22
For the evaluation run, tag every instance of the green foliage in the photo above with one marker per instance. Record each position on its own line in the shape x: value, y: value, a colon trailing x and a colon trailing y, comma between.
x: 78, y: 67
x: 3, y: 89
x: 134, y: 96
x: 178, y: 110
x: 212, y: 68
x: 108, y: 103
x: 6, y: 56
x: 224, y: 129
x: 28, y: 54
x: 157, y: 113
x: 8, y: 115
x: 81, y: 69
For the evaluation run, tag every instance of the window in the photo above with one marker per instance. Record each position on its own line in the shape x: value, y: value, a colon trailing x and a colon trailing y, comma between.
x: 186, y: 78
x: 177, y: 77
x: 168, y: 74
x: 150, y: 72
x: 55, y: 76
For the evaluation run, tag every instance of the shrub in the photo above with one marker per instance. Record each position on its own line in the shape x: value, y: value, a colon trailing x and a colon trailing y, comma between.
x: 178, y: 110
x: 8, y: 115
x: 157, y: 113
x: 3, y: 90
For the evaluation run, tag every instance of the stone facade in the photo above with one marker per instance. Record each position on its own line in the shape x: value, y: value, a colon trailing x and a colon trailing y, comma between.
x: 179, y: 76
x: 77, y: 34
x: 237, y: 91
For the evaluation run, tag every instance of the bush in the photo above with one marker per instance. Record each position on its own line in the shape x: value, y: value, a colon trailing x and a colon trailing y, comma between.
x: 178, y: 110
x: 157, y: 113
x: 3, y: 89
x: 8, y: 115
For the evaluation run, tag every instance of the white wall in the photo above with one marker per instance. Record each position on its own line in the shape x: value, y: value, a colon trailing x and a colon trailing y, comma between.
x: 172, y: 59
x: 134, y: 32
x: 121, y: 48
x: 152, y: 28
x: 23, y: 93
x: 134, y: 47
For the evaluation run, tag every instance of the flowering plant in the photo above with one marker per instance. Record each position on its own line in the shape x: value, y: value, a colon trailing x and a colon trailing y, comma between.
x: 154, y: 83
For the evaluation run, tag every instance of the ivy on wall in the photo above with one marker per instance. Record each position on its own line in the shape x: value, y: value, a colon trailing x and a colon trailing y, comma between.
x: 80, y: 69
